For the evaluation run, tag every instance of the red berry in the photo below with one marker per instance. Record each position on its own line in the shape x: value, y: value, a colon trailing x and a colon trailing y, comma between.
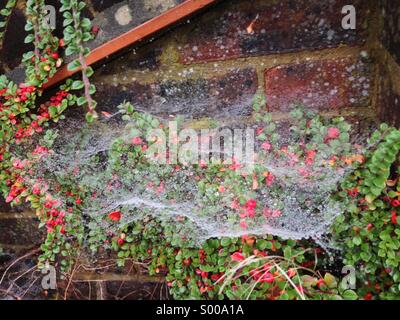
x: 320, y: 283
x: 395, y: 203
x: 215, y: 277
x: 368, y: 296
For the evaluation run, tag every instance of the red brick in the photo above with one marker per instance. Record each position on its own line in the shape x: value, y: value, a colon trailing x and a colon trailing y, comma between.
x: 280, y: 26
x: 321, y: 85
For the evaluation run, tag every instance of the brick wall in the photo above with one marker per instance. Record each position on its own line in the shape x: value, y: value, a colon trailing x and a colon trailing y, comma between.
x: 291, y: 51
x: 388, y: 59
x: 113, y: 17
x: 294, y: 51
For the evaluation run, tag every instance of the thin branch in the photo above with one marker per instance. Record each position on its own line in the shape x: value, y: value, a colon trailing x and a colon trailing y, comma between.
x: 31, y: 253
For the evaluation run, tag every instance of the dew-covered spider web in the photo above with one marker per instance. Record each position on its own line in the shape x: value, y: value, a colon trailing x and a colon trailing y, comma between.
x: 280, y: 196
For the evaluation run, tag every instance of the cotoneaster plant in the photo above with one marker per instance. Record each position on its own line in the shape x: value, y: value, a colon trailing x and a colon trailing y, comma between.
x: 78, y: 30
x: 229, y: 267
x: 368, y: 232
x: 24, y: 120
x: 198, y: 272
x: 247, y: 267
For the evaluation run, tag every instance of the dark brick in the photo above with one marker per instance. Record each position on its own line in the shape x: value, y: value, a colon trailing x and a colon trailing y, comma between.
x: 322, y: 85
x: 4, y: 207
x: 220, y: 97
x: 139, y: 12
x: 390, y: 10
x: 389, y: 100
x: 21, y: 231
x: 147, y: 58
x: 13, y: 42
x: 279, y: 26
x: 100, y: 5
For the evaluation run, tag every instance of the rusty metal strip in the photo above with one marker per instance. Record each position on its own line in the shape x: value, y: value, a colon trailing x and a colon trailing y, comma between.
x: 135, y: 35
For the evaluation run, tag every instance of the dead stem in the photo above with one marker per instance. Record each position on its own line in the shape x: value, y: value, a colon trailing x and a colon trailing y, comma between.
x: 31, y: 253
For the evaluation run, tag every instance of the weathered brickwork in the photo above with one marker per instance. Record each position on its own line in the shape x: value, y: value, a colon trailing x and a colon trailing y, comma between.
x: 111, y: 18
x: 390, y: 11
x: 389, y: 94
x: 246, y: 28
x: 21, y: 231
x: 330, y: 84
x: 224, y: 95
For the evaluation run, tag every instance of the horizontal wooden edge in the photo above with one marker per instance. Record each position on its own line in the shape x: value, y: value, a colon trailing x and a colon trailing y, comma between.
x: 111, y: 277
x: 17, y: 215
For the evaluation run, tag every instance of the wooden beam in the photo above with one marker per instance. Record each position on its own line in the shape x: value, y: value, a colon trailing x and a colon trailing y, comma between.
x: 94, y: 277
x: 135, y: 35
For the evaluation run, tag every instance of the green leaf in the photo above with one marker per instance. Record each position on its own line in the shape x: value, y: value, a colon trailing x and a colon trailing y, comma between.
x: 71, y: 50
x: 74, y: 65
x: 92, y: 89
x: 29, y: 38
x: 81, y: 101
x: 357, y: 241
x: 89, y: 71
x: 67, y: 22
x: 77, y: 85
x: 91, y: 116
x: 330, y: 281
x: 350, y: 295
x: 86, y: 23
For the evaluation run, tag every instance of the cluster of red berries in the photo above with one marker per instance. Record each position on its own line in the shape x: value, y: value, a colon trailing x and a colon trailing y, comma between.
x: 121, y: 239
x: 203, y: 283
x: 54, y: 57
x: 23, y: 92
x: 56, y: 218
x: 57, y: 99
x: 202, y: 256
x: 353, y: 192
x: 16, y: 189
x: 263, y: 275
x: 27, y: 132
x: 249, y: 209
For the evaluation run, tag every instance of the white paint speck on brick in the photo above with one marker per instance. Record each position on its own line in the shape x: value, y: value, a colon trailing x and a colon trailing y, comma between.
x: 123, y: 15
